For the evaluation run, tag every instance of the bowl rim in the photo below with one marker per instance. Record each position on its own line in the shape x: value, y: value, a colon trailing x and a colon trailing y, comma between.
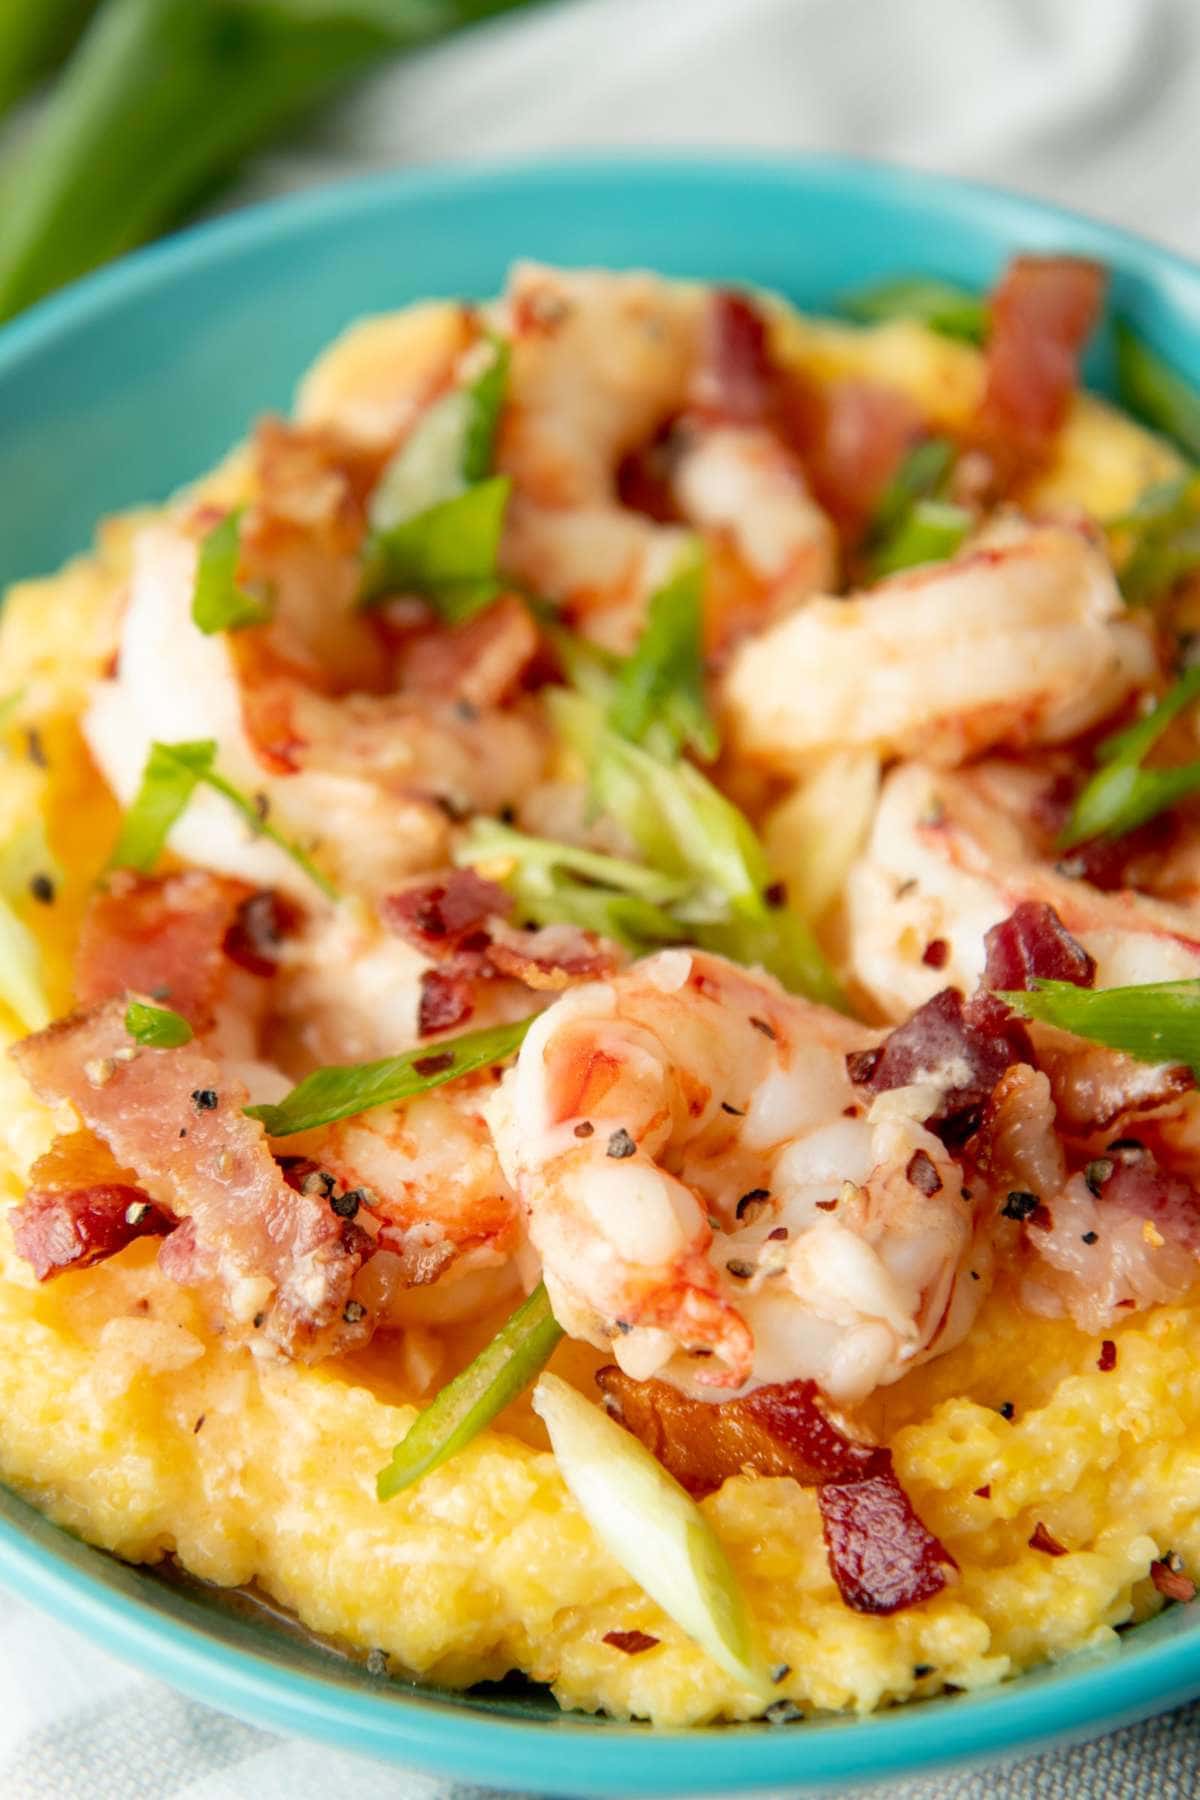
x: 421, y: 1727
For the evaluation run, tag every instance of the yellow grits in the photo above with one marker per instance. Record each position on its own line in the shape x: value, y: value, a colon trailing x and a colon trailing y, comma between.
x: 124, y: 1418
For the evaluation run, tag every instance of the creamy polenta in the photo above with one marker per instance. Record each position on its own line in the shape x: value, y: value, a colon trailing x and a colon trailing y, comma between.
x: 1052, y: 1451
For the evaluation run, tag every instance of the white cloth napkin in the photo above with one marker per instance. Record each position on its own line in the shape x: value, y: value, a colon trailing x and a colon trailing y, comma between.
x: 1094, y: 103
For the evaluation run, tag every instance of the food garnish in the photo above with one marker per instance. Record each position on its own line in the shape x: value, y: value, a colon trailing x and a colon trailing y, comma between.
x: 219, y: 602
x: 1161, y: 537
x: 912, y: 523
x: 437, y: 513
x: 658, y: 697
x: 651, y: 1527
x: 170, y: 778
x: 1123, y: 794
x: 1155, y: 1023
x: 952, y: 311
x: 1151, y: 388
x: 468, y: 1404
x: 339, y: 1092
x: 156, y: 1026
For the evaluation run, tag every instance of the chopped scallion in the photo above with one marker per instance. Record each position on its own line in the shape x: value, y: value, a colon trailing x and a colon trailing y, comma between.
x: 469, y: 1403
x: 156, y: 1026
x: 1156, y: 1023
x: 447, y: 553
x: 1122, y: 794
x: 952, y: 311
x: 219, y: 602
x: 340, y: 1092
x: 659, y: 693
x: 932, y: 531
x: 1153, y: 390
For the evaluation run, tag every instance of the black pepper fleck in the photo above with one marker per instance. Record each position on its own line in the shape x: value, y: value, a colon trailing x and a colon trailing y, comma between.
x: 743, y: 1270
x: 346, y: 1205
x: 42, y: 889
x: 353, y: 1311
x: 1020, y: 1205
x: 1097, y: 1173
x: 260, y: 1319
x: 921, y: 1670
x: 735, y: 1112
x: 620, y: 1144
x: 35, y: 748
x: 780, y: 1672
x: 762, y: 1025
x: 753, y: 1198
x: 1006, y: 1409
x: 776, y: 894
x: 205, y: 1099
x: 1091, y: 1237
x: 377, y: 1662
x: 199, y: 1423
x: 783, y: 1712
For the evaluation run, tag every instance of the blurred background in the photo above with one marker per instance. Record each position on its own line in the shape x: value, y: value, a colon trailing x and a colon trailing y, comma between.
x: 124, y: 118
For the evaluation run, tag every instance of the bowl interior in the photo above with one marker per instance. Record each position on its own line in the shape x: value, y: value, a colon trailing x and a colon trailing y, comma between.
x: 134, y: 382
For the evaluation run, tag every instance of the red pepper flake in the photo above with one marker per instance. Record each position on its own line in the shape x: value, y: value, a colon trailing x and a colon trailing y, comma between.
x: 1107, y: 1358
x: 922, y: 1174
x: 584, y: 1129
x: 1041, y: 1540
x: 936, y: 953
x: 434, y: 1065
x: 1171, y: 1582
x: 633, y: 1643
x: 984, y: 1492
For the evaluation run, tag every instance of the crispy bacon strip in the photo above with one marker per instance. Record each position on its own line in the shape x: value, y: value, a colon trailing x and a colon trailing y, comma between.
x: 81, y: 1207
x: 175, y: 1118
x: 459, y: 921
x: 1043, y: 311
x: 880, y: 1554
x: 165, y: 936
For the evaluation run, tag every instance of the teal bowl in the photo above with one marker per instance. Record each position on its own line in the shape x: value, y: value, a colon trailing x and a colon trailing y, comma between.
x: 138, y: 378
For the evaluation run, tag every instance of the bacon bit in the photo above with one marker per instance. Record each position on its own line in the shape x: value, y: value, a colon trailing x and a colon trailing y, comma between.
x: 1042, y: 313
x: 447, y: 1000
x: 1042, y: 1540
x: 161, y: 935
x: 736, y: 379
x: 481, y: 663
x: 633, y: 1643
x: 922, y: 1174
x: 881, y: 1555
x: 1168, y: 1204
x: 1171, y: 1582
x: 550, y: 959
x: 81, y: 1208
x: 1107, y: 1358
x: 260, y: 924
x: 979, y: 1042
x: 936, y: 953
x: 435, y: 915
x: 1034, y: 944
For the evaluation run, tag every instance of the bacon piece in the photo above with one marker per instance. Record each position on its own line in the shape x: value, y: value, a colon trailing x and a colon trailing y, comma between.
x: 175, y: 1118
x: 1172, y: 1583
x: 1034, y: 944
x: 1042, y: 314
x: 81, y: 1207
x: 550, y: 959
x: 1138, y: 1184
x: 880, y: 1554
x: 849, y: 434
x: 447, y: 1000
x: 963, y: 1051
x: 164, y: 936
x: 447, y: 915
x: 1095, y: 1088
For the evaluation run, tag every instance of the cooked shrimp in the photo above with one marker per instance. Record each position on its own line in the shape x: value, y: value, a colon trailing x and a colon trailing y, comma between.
x: 710, y: 1202
x: 370, y: 776
x: 600, y: 364
x: 1023, y: 639
x: 951, y: 853
x: 447, y: 1226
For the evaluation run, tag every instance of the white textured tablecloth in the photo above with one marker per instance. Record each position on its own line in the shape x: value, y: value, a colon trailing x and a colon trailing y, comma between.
x: 1095, y: 103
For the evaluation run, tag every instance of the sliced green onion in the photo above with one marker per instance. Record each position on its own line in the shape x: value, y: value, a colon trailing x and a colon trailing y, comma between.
x: 1121, y: 794
x: 1152, y: 389
x: 469, y: 1403
x: 932, y: 531
x: 659, y: 695
x: 1163, y: 528
x: 170, y: 778
x: 1156, y: 1023
x: 784, y: 944
x: 651, y: 1527
x: 447, y: 553
x: 156, y: 1026
x: 487, y: 840
x: 920, y: 475
x: 21, y: 987
x: 487, y: 393
x: 340, y: 1092
x: 952, y: 311
x: 218, y: 602
x: 448, y: 451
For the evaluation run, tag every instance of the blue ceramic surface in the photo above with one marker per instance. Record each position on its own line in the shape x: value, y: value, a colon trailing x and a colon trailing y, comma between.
x: 134, y: 381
